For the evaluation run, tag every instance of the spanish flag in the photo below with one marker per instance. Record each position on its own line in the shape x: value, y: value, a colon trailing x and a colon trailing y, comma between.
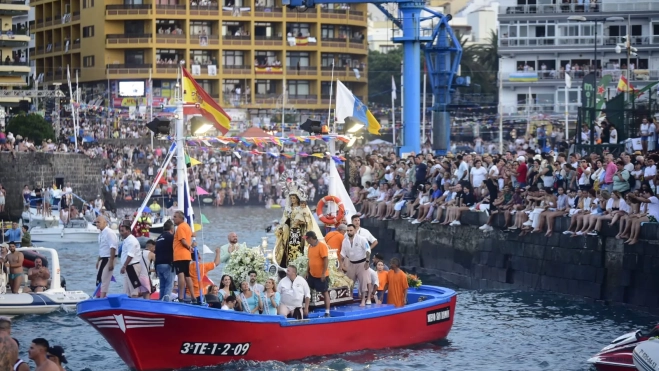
x: 624, y: 86
x: 208, y: 108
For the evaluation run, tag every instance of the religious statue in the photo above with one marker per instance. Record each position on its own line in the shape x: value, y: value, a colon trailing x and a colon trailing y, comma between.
x: 295, y: 222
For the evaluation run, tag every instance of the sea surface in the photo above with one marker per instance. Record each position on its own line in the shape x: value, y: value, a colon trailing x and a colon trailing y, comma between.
x: 493, y: 330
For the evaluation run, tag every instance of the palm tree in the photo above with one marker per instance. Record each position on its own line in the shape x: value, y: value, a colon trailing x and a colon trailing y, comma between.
x: 488, y: 54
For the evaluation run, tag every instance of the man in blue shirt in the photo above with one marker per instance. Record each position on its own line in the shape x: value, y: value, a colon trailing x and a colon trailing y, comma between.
x: 14, y: 234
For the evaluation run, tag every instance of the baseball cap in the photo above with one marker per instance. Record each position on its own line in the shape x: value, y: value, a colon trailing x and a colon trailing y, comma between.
x: 58, y: 352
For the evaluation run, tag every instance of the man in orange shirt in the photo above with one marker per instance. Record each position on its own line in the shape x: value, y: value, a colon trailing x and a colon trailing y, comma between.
x: 205, y: 268
x: 334, y: 239
x: 397, y: 284
x: 318, y: 271
x: 183, y: 247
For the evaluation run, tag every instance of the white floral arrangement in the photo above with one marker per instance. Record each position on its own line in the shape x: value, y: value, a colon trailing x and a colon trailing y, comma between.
x: 244, y: 260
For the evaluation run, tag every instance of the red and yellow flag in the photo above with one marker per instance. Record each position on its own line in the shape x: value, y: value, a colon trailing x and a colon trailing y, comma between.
x: 624, y: 86
x: 208, y: 108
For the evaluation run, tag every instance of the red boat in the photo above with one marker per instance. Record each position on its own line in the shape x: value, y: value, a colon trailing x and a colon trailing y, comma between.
x: 196, y: 336
x: 618, y: 356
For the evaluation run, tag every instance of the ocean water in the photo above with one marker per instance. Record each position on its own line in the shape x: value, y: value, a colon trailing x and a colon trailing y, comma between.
x: 493, y: 330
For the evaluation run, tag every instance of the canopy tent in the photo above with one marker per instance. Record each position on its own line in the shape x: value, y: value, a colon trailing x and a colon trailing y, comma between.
x: 254, y: 132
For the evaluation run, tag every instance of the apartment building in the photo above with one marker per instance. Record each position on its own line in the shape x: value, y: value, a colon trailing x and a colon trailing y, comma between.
x: 244, y: 53
x: 14, y: 68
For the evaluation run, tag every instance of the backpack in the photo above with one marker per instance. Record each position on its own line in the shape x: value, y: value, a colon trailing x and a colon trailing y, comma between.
x: 631, y: 180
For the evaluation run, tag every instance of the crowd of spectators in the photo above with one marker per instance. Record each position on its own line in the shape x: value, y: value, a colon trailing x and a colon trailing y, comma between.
x: 530, y: 187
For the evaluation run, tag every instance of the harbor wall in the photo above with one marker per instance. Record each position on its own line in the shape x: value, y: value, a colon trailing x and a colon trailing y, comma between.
x: 599, y: 268
x: 82, y: 172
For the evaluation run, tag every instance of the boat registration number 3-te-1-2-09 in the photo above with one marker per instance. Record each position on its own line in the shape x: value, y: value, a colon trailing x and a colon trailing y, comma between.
x: 215, y: 349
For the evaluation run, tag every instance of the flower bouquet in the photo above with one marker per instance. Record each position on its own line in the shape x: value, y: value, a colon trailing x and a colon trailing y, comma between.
x: 413, y: 281
x: 244, y: 260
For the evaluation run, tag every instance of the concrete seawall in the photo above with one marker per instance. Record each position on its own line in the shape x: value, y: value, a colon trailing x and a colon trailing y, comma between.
x: 82, y: 172
x: 594, y: 267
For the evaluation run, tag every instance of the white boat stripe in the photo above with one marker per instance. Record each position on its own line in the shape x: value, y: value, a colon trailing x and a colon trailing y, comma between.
x: 143, y: 322
x: 107, y: 326
x: 139, y: 326
x: 143, y: 319
x: 100, y: 318
x: 104, y: 320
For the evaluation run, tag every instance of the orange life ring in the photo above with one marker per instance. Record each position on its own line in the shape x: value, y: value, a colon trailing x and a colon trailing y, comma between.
x: 330, y: 219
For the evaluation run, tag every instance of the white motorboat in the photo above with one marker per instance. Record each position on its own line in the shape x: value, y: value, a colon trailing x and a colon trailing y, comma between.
x: 55, y: 297
x: 75, y: 231
x: 158, y: 227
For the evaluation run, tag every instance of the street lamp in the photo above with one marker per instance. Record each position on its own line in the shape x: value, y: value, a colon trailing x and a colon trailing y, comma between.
x: 346, y: 167
x: 580, y: 18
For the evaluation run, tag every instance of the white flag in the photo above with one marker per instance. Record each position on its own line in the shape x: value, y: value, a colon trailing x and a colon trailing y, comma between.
x: 393, y: 88
x: 568, y: 81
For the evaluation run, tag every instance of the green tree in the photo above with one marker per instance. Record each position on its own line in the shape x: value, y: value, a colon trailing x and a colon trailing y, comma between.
x: 381, y: 66
x: 32, y: 126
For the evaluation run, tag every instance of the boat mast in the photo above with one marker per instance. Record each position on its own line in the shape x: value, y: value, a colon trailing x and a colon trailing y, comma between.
x: 180, y: 143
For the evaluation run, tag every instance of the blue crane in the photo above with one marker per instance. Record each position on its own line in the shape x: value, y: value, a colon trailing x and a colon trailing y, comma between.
x: 443, y: 52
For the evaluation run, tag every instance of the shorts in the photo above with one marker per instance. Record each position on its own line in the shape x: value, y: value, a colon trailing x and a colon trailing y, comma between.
x: 316, y: 284
x: 644, y: 138
x: 182, y: 266
x: 357, y: 272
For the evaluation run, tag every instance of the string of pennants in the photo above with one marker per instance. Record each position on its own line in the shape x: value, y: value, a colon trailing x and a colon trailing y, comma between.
x: 204, y: 142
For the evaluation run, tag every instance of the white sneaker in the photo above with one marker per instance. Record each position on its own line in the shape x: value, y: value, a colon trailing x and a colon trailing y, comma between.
x: 488, y: 229
x: 579, y: 233
x: 483, y: 227
x: 527, y: 224
x: 455, y: 222
x: 434, y: 221
x: 368, y: 302
x: 568, y: 232
x: 416, y: 222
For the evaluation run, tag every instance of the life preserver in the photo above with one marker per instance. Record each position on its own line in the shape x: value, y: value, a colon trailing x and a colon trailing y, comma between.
x: 330, y: 220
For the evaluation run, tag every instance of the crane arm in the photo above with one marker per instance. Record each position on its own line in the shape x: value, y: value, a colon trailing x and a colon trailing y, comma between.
x: 390, y: 16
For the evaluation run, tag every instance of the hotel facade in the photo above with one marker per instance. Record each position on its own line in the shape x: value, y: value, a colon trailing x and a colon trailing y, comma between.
x: 14, y: 38
x: 244, y: 53
x: 547, y: 39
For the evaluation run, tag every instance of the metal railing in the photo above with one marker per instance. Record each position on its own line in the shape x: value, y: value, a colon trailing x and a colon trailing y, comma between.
x: 604, y: 41
x: 559, y: 76
x: 549, y: 9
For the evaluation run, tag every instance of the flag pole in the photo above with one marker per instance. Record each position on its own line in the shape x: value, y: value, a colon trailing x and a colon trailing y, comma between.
x: 423, y: 112
x: 150, y: 102
x: 329, y: 109
x: 73, y: 110
x: 180, y: 150
x: 393, y: 111
x: 283, y: 110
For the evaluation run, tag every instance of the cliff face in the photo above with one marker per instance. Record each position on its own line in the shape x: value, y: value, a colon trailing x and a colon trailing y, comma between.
x: 596, y: 267
x: 30, y: 169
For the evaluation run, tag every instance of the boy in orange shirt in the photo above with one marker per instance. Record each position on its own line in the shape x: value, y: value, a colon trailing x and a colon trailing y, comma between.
x: 396, y: 284
x: 205, y: 268
x: 183, y: 247
x: 382, y: 281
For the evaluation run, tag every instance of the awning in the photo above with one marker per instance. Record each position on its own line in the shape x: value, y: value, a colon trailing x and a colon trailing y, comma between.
x: 12, y: 81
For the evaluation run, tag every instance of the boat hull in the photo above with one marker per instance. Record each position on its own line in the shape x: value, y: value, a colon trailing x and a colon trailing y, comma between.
x: 40, y: 303
x: 69, y: 235
x: 193, y: 336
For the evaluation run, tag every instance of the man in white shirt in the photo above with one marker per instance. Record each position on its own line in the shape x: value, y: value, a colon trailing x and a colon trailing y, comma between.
x: 130, y: 261
x: 295, y: 292
x: 355, y: 255
x: 107, y: 250
x: 363, y: 232
x: 253, y: 285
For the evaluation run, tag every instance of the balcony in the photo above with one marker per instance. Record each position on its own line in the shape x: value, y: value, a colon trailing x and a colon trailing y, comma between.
x: 294, y: 14
x: 237, y: 70
x: 269, y: 70
x: 209, y: 40
x: 302, y: 41
x: 128, y: 69
x: 266, y: 99
x: 267, y: 12
x: 170, y: 9
x: 76, y: 44
x: 551, y: 78
x: 124, y: 40
x: 170, y: 39
x: 127, y: 9
x: 549, y: 9
x: 236, y: 40
x: 559, y: 43
x: 14, y: 68
x: 167, y: 68
x: 523, y: 109
x: 14, y: 7
x: 229, y: 12
x: 268, y: 40
x: 302, y: 71
x: 76, y: 17
x: 205, y: 10
x: 302, y: 99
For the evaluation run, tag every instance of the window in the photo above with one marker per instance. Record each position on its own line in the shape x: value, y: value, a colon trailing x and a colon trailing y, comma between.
x: 200, y: 27
x: 637, y: 30
x: 230, y: 85
x: 299, y: 29
x: 207, y: 86
x: 88, y: 61
x: 134, y: 57
x: 655, y: 29
x: 265, y: 58
x: 201, y: 56
x: 617, y: 30
x: 327, y: 59
x: 134, y: 27
x: 167, y: 54
x: 266, y: 87
x: 233, y: 58
x: 298, y: 88
x: 88, y: 31
x: 88, y: 4
x: 325, y: 87
x: 327, y: 31
x: 295, y: 58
